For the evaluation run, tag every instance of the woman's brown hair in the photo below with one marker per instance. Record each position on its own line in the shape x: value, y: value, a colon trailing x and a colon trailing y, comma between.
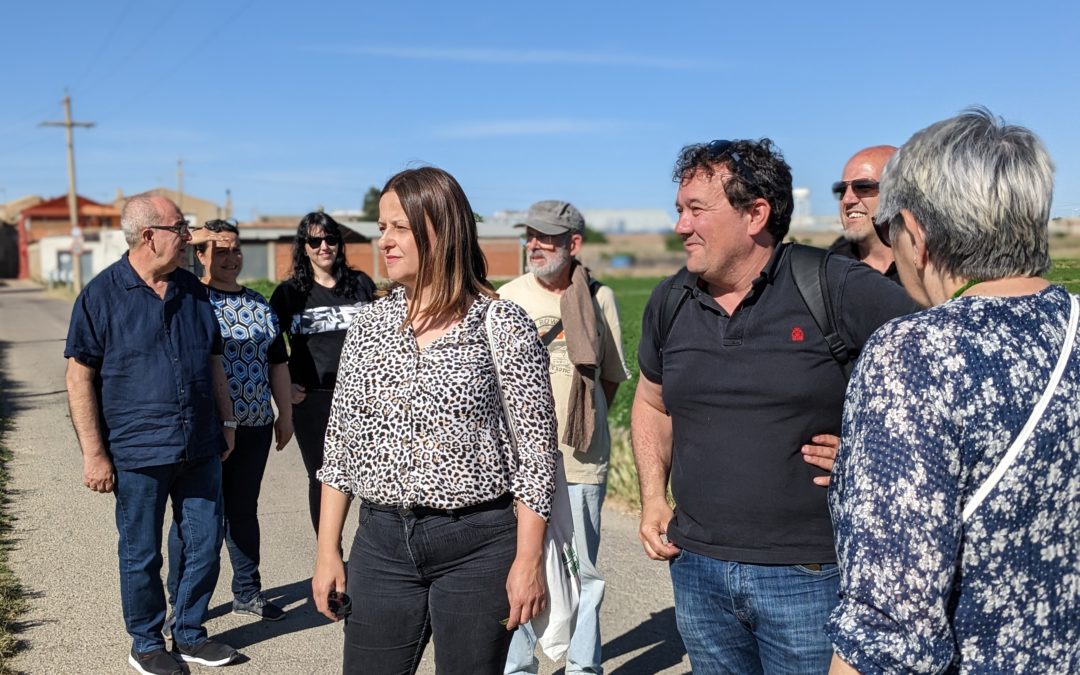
x: 452, y: 267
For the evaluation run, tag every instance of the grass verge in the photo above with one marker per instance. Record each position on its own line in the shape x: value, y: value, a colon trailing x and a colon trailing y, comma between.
x: 12, y: 599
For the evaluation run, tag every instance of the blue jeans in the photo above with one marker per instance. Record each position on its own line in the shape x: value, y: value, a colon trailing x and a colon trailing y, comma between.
x: 241, y: 480
x: 743, y: 618
x: 195, y: 489
x: 586, y: 502
x: 417, y: 574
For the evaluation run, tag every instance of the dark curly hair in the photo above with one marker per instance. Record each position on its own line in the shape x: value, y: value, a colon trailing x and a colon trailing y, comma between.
x: 758, y: 170
x: 346, y: 279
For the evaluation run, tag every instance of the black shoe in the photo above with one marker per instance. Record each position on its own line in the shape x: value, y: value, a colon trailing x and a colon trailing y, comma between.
x: 207, y: 653
x: 258, y: 606
x: 157, y: 662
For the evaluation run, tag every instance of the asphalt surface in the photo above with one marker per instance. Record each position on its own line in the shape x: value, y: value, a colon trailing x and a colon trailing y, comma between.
x: 65, y: 543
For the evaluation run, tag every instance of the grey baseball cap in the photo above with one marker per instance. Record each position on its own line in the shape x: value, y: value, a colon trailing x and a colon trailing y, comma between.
x: 554, y: 217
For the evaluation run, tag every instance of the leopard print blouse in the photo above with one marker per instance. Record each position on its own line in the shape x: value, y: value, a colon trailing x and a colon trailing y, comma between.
x: 425, y: 427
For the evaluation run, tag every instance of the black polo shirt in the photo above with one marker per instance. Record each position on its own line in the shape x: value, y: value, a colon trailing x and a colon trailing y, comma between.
x: 745, y: 392
x: 850, y: 249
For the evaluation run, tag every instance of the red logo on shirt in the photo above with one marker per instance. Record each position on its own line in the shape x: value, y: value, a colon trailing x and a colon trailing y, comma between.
x: 797, y: 334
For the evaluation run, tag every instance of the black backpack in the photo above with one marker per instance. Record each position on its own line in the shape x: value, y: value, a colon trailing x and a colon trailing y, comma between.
x: 808, y: 268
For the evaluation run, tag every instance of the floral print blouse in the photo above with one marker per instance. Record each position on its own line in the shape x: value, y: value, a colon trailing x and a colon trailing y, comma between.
x: 934, y: 403
x: 425, y: 427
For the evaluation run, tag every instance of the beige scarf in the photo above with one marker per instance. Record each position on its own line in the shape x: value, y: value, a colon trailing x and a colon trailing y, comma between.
x: 583, y: 350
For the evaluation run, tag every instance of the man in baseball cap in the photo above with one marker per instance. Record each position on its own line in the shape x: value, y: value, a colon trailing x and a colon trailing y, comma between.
x: 578, y: 322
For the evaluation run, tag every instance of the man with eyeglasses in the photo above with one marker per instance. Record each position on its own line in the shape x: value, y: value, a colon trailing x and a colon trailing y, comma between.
x: 150, y: 405
x: 857, y: 192
x: 739, y: 405
x: 578, y: 321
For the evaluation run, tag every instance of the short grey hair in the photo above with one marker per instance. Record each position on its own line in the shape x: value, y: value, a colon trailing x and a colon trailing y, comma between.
x: 981, y: 189
x: 140, y: 212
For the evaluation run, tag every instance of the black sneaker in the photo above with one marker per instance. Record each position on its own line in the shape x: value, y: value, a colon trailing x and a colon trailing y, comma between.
x: 258, y: 606
x: 157, y: 662
x: 207, y: 653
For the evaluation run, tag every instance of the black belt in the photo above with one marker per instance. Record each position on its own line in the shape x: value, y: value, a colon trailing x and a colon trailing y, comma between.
x: 419, y: 511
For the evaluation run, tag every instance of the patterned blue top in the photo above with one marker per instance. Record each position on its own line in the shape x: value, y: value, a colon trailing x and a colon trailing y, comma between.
x: 253, y: 341
x: 934, y: 403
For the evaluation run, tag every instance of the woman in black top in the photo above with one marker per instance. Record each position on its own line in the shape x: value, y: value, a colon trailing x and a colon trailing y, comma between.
x: 315, y: 307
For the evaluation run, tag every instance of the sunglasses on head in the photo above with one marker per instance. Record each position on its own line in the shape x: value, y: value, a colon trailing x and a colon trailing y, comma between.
x: 883, y: 228
x: 862, y: 187
x: 721, y: 148
x: 316, y: 242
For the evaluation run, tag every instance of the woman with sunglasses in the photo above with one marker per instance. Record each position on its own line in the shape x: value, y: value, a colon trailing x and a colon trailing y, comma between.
x: 254, y: 359
x: 315, y: 307
x: 438, y: 452
x: 955, y: 497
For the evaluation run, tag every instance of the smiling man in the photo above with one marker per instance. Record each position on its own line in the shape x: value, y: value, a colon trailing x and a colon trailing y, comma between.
x: 857, y: 191
x: 738, y: 389
x: 578, y: 321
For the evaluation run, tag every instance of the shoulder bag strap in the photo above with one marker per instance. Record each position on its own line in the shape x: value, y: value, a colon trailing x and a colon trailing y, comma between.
x: 1036, y: 414
x: 498, y: 376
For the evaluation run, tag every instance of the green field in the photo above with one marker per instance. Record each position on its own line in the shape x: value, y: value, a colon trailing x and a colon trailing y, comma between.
x: 632, y: 294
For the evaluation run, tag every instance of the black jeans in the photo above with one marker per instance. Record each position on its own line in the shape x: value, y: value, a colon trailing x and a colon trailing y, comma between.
x: 310, y: 418
x: 418, y: 574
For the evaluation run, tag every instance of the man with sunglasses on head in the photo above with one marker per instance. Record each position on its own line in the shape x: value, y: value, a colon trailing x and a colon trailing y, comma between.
x: 857, y: 192
x: 150, y: 405
x: 739, y: 404
x: 578, y: 322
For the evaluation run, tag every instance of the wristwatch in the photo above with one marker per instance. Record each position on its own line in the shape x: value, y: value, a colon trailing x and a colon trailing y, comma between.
x: 229, y: 424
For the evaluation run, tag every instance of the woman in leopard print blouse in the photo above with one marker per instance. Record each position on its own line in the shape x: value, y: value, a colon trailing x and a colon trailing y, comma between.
x: 417, y: 433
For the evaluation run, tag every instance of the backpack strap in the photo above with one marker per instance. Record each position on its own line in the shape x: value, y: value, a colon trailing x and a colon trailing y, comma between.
x: 809, y: 270
x: 674, y: 299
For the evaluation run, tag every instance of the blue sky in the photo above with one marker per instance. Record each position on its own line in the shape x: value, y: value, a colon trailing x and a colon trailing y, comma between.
x: 296, y: 105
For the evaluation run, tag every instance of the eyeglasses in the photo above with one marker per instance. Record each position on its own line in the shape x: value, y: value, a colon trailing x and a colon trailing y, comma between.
x: 883, y: 228
x: 180, y: 229
x: 219, y: 225
x: 720, y: 148
x: 316, y: 242
x: 547, y: 240
x: 862, y: 187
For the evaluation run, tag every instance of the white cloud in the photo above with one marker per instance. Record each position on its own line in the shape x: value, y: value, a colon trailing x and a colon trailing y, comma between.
x: 516, y: 56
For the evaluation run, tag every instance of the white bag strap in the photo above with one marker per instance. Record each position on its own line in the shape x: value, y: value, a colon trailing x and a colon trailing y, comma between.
x: 498, y: 376
x: 1036, y: 414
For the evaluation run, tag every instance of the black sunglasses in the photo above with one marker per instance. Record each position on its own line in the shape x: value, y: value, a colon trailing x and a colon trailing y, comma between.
x: 883, y: 228
x: 720, y: 148
x: 316, y: 242
x: 219, y: 225
x: 862, y: 187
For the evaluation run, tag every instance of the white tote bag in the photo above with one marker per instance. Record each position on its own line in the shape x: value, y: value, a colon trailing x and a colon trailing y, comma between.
x: 555, y: 625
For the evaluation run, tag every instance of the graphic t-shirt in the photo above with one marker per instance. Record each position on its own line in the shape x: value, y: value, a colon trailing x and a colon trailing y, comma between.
x: 584, y: 465
x: 316, y: 323
x: 252, y: 341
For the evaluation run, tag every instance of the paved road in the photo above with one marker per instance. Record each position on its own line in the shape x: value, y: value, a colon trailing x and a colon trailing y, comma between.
x: 65, y: 550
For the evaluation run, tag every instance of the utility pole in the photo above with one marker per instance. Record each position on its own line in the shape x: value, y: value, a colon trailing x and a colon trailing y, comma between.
x: 73, y: 202
x: 180, y: 183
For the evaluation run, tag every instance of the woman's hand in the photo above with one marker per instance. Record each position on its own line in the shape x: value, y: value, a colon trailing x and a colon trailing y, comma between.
x: 298, y: 394
x: 526, y: 590
x: 329, y: 576
x: 283, y: 431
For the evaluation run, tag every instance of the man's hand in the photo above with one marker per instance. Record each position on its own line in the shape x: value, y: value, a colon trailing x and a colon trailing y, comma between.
x: 821, y: 452
x: 283, y: 431
x: 230, y: 442
x: 526, y: 590
x: 298, y: 394
x: 98, y: 473
x: 653, y: 532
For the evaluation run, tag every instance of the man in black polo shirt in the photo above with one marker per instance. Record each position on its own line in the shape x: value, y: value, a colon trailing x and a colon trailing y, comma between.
x: 739, y: 395
x: 857, y: 192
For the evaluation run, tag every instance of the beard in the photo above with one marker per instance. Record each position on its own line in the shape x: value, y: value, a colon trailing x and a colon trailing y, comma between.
x: 855, y: 235
x: 555, y: 263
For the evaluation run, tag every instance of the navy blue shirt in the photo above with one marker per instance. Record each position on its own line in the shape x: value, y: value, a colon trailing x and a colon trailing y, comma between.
x: 154, y: 379
x: 745, y: 391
